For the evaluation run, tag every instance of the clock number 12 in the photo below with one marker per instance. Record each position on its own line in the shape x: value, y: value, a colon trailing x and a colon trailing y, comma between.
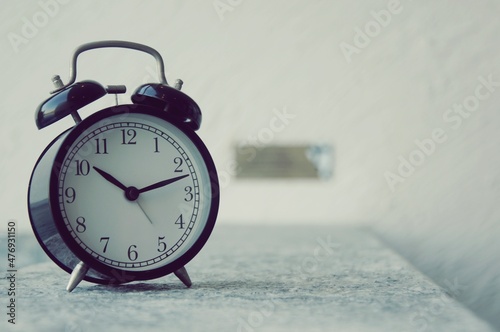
x: 128, y: 137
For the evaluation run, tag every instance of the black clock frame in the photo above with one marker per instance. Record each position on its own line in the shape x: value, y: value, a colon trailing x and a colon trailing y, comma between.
x: 105, y: 274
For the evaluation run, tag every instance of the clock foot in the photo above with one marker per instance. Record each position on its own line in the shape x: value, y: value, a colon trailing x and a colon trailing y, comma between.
x: 183, y: 276
x: 77, y: 275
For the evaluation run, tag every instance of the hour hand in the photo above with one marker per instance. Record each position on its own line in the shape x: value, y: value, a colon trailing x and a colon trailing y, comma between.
x: 110, y: 178
x: 162, y: 183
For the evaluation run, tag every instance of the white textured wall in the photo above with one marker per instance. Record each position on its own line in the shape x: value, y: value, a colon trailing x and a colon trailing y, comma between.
x: 260, y: 58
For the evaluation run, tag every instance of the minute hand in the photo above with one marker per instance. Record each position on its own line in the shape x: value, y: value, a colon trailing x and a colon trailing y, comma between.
x: 162, y: 183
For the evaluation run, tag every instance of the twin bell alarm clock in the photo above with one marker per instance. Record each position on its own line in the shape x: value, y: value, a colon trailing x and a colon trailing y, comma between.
x: 128, y: 193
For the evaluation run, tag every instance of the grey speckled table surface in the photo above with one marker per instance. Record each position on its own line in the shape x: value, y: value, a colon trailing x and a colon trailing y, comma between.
x: 248, y: 279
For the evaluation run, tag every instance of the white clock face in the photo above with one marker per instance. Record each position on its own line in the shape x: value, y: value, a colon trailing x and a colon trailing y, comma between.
x: 134, y: 192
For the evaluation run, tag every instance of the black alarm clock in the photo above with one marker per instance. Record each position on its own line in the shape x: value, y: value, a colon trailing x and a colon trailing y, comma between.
x: 130, y: 192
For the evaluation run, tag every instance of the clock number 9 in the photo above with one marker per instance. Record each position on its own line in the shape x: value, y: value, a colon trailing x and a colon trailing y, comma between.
x: 80, y: 227
x: 70, y: 194
x: 132, y: 254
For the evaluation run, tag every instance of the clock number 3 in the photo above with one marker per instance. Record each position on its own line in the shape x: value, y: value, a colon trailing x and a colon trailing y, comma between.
x: 189, y: 194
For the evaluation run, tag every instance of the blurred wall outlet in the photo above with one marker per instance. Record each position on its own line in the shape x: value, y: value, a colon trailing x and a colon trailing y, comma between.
x: 310, y: 161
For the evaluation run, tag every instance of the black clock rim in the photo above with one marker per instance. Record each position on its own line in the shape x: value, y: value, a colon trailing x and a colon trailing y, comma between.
x: 118, y: 275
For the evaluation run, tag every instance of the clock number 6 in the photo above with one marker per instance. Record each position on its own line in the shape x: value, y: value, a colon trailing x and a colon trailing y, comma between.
x: 132, y: 254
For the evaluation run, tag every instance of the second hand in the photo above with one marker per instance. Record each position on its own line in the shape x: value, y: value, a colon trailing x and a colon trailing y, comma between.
x: 144, y: 211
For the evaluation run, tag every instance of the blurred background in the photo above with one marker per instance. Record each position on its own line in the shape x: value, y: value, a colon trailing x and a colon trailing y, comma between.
x: 385, y: 114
